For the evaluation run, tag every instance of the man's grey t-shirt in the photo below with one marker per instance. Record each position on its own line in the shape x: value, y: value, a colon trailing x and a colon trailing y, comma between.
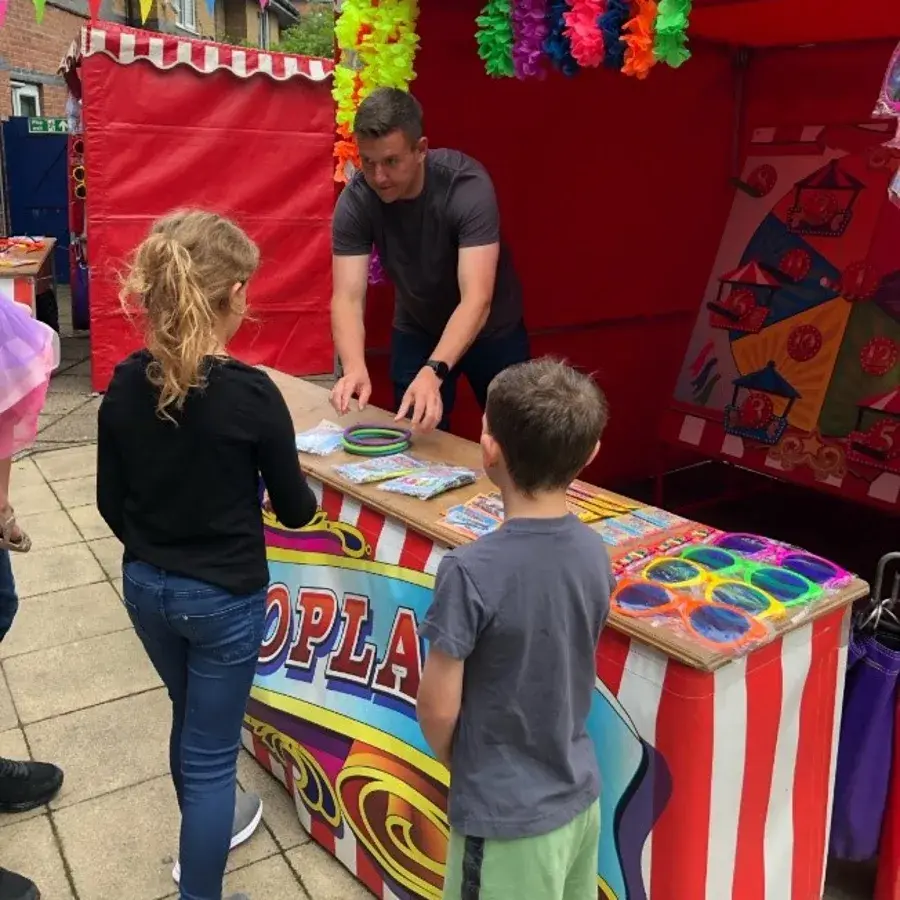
x: 419, y: 241
x: 523, y: 607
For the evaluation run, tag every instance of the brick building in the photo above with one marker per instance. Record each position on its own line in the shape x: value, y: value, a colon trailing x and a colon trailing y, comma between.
x: 30, y: 53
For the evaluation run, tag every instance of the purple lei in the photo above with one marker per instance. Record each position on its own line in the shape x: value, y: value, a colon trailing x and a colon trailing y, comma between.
x: 529, y: 19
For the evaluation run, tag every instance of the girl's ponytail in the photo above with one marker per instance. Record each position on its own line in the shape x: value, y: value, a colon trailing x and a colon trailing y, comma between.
x: 183, y: 276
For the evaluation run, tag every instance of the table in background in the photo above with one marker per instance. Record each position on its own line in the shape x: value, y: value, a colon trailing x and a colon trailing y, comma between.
x: 29, y: 274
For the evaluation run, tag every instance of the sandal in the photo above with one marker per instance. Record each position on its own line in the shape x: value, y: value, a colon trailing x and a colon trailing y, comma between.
x: 11, y: 536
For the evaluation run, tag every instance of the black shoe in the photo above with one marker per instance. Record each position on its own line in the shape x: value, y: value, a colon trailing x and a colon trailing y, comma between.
x: 26, y: 785
x: 16, y: 887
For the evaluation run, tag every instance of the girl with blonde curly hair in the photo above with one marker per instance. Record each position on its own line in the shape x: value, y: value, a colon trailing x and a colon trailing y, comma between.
x: 185, y: 433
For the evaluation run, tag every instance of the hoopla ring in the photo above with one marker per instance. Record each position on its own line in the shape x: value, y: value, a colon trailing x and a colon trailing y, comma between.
x: 376, y: 440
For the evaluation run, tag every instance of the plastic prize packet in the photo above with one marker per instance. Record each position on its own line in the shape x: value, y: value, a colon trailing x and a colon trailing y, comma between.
x: 472, y: 522
x: 888, y: 105
x: 491, y: 504
x: 660, y: 517
x: 379, y: 469
x: 322, y: 440
x: 429, y: 482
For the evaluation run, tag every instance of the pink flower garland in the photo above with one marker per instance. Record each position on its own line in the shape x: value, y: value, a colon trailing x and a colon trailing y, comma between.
x: 583, y: 31
x: 529, y: 21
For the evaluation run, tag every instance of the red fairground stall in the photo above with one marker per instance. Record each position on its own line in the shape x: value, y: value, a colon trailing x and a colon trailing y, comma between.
x: 615, y: 194
x: 170, y: 122
x: 616, y: 221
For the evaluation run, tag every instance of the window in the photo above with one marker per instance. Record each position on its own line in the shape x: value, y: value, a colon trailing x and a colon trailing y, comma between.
x: 26, y: 99
x: 187, y: 15
x: 265, y: 40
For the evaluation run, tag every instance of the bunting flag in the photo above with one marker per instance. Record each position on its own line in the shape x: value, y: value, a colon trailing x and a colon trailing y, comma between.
x: 146, y: 6
x: 95, y: 9
x: 39, y: 10
x: 211, y: 8
x: 3, y: 7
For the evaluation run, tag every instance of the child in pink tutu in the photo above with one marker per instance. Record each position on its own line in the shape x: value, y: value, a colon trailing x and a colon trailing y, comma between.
x: 29, y: 352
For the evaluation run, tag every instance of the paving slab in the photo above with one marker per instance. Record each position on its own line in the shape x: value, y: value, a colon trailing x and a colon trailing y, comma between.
x: 62, y: 465
x: 80, y: 425
x: 26, y: 474
x: 32, y: 498
x: 30, y: 848
x: 141, y: 823
x: 45, y: 570
x: 90, y: 523
x: 76, y: 492
x: 109, y: 554
x: 323, y: 876
x: 48, y: 529
x: 279, y: 812
x: 108, y: 747
x: 8, y: 717
x: 65, y: 617
x: 76, y: 676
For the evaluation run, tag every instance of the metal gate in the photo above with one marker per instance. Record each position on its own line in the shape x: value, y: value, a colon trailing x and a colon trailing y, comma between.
x: 35, y: 160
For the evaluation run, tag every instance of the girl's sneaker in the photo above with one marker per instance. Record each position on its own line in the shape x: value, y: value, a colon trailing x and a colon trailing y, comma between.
x: 248, y: 810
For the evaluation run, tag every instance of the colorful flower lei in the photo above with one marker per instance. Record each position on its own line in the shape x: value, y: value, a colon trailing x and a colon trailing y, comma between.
x: 583, y: 31
x: 378, y: 42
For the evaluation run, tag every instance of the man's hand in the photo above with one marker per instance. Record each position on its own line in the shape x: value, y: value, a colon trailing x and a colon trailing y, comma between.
x: 353, y: 384
x: 423, y: 397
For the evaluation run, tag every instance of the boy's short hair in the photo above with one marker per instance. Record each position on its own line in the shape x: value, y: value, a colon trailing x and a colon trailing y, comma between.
x: 387, y: 110
x: 547, y: 418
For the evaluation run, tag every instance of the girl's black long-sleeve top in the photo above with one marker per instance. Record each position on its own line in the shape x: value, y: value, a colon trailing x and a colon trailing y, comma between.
x: 185, y: 495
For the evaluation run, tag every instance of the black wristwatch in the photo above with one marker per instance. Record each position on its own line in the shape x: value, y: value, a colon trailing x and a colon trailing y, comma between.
x: 441, y: 369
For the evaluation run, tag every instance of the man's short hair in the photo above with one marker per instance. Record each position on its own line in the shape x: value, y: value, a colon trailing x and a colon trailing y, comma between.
x: 387, y: 110
x: 547, y: 419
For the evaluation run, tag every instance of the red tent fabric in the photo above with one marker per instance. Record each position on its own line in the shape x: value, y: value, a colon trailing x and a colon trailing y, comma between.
x: 172, y: 123
x: 784, y: 23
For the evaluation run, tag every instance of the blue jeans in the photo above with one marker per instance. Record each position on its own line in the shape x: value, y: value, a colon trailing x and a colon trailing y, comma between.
x: 204, y: 642
x: 484, y: 360
x: 9, y: 601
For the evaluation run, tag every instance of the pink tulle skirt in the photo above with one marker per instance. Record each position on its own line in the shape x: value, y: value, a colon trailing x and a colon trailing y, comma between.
x: 29, y: 352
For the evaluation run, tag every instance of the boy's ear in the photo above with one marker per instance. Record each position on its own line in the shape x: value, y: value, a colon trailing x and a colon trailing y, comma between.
x: 490, y: 450
x: 593, y: 455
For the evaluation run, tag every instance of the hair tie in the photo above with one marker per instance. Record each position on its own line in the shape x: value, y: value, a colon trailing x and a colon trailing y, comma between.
x: 376, y: 440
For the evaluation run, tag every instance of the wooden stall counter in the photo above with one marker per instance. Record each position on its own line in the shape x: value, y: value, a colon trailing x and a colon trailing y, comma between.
x: 27, y: 270
x: 717, y: 766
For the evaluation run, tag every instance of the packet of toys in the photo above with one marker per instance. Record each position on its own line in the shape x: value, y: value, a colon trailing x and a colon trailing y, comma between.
x: 322, y: 440
x: 429, y: 482
x: 888, y: 105
x: 380, y: 468
x: 470, y: 521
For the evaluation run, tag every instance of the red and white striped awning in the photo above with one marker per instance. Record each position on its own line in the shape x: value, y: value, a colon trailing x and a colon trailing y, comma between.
x: 165, y: 51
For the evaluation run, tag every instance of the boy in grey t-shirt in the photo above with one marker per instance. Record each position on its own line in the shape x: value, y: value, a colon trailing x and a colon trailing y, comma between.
x: 513, y: 631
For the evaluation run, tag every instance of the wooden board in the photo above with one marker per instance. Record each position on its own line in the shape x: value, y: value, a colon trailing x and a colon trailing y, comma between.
x: 34, y: 262
x: 309, y: 404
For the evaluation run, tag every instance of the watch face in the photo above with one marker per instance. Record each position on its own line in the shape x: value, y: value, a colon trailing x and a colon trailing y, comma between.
x: 441, y: 369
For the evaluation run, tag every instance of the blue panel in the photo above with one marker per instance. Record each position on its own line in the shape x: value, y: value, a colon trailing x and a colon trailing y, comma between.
x: 37, y: 172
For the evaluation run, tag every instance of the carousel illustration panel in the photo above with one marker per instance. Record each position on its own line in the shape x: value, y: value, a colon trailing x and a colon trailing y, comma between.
x: 332, y: 712
x: 793, y: 367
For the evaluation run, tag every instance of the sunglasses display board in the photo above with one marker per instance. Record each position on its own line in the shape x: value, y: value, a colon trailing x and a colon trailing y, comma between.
x: 714, y: 716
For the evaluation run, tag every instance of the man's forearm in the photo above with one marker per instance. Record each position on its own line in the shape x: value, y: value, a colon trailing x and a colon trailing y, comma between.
x: 349, y: 333
x: 461, y: 330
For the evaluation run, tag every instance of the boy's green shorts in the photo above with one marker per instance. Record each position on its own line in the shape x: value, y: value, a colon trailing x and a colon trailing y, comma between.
x: 561, y: 865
